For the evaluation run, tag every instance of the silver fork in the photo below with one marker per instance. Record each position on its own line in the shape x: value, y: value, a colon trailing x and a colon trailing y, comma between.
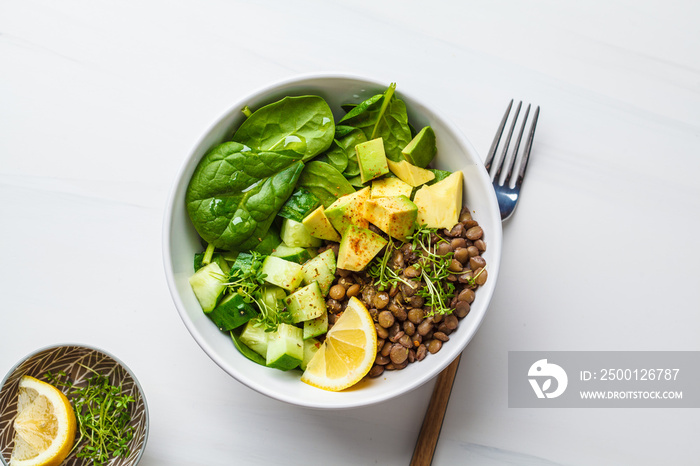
x: 507, y: 189
x: 507, y: 192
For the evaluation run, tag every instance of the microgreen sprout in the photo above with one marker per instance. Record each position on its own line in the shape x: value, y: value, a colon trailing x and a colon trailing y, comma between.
x: 471, y: 281
x: 385, y: 276
x: 248, y: 282
x: 103, y: 414
x: 433, y: 270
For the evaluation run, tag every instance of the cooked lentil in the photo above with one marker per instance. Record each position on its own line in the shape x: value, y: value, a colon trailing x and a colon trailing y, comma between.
x: 407, y: 330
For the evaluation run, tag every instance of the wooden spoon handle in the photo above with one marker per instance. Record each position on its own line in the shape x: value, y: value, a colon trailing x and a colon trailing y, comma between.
x: 432, y: 423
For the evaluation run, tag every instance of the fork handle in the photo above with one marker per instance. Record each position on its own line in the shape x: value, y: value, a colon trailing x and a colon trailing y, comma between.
x: 432, y: 423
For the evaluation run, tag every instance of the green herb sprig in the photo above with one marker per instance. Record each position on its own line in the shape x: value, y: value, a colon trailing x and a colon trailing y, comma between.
x: 103, y: 413
x: 248, y: 282
x: 385, y: 277
x: 434, y: 270
x: 272, y: 314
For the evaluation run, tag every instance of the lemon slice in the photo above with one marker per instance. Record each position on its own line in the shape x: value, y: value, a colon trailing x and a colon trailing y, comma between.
x: 348, y: 352
x: 44, y: 426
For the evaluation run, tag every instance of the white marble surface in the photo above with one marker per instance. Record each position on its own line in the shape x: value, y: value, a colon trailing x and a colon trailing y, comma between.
x: 100, y: 101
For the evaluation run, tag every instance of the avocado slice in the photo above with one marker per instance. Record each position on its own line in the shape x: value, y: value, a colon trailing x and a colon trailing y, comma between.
x: 348, y: 210
x: 415, y: 176
x: 422, y: 148
x: 389, y: 187
x: 371, y: 159
x: 358, y: 247
x: 439, y: 205
x: 395, y: 216
x: 319, y: 226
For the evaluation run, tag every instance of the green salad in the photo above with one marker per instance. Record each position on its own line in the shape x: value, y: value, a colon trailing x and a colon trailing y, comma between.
x: 291, y: 182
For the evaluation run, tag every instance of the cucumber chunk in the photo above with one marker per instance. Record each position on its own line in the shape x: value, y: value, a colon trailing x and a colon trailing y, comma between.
x: 321, y: 269
x: 208, y: 285
x: 310, y: 347
x: 306, y: 303
x: 271, y: 295
x: 298, y: 255
x: 244, y: 350
x: 285, y: 348
x: 255, y: 338
x: 316, y: 327
x: 232, y: 312
x: 285, y: 274
x: 295, y: 234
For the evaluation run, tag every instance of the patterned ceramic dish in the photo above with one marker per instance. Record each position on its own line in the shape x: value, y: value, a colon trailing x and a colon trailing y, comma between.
x: 71, y: 359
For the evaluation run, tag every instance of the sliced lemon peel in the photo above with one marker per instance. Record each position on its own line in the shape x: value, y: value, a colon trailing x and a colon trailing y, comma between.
x: 348, y: 352
x: 44, y: 427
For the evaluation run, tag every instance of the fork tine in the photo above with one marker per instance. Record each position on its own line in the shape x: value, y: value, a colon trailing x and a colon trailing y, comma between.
x: 504, y: 153
x: 528, y: 147
x: 514, y: 158
x: 508, y: 191
x: 497, y: 138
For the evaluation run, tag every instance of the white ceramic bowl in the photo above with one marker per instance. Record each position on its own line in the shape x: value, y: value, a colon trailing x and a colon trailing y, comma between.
x: 180, y: 242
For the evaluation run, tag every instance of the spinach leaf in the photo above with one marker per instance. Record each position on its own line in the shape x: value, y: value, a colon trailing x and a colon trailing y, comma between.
x: 439, y: 175
x: 393, y: 128
x: 348, y: 144
x: 219, y: 258
x: 342, y: 155
x: 300, y: 204
x: 335, y: 156
x: 343, y: 130
x: 353, y: 168
x: 383, y: 116
x: 361, y: 107
x: 269, y: 242
x: 303, y: 124
x: 242, y: 265
x: 236, y: 192
x: 324, y: 181
x: 356, y: 181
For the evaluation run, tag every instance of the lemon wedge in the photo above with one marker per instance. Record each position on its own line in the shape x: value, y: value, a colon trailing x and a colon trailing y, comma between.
x: 348, y: 352
x: 44, y: 426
